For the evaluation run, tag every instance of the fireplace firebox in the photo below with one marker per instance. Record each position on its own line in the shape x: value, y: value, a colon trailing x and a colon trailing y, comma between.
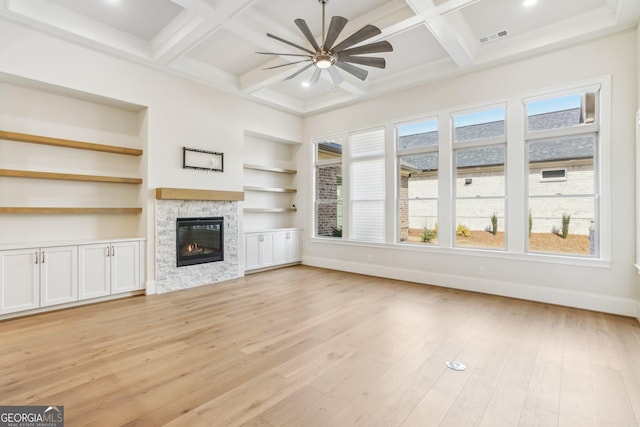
x: 199, y: 240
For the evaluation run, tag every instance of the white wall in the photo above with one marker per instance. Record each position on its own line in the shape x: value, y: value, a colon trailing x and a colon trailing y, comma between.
x: 179, y: 112
x: 605, y: 286
x: 638, y: 174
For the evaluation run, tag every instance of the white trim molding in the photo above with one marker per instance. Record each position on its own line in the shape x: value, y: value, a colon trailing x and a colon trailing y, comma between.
x: 583, y: 300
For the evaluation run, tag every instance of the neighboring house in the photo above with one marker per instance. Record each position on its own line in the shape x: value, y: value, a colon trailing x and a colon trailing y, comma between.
x: 557, y: 167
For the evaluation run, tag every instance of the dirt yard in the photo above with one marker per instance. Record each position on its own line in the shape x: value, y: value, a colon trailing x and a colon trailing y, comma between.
x: 539, y: 242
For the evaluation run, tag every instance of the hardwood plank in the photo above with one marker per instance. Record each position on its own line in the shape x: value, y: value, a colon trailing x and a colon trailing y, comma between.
x: 68, y: 143
x: 193, y: 194
x: 307, y: 346
x: 68, y: 176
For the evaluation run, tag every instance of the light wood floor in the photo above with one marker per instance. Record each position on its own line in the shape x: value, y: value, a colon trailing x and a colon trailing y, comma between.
x: 308, y: 347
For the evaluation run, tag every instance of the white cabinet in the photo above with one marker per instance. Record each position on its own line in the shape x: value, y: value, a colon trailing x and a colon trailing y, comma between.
x: 259, y: 250
x: 286, y: 246
x: 58, y: 275
x: 109, y: 268
x: 271, y: 248
x: 31, y: 278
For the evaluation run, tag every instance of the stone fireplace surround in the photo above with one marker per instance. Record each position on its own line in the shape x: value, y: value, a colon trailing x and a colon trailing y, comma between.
x: 174, y: 204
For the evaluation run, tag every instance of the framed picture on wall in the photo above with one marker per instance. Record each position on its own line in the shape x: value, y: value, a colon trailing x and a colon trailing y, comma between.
x: 203, y: 160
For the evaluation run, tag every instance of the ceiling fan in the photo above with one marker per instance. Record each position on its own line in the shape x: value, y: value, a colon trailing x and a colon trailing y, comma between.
x: 327, y: 54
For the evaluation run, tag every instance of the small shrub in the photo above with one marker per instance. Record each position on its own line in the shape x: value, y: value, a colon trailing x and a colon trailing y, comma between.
x: 566, y: 218
x: 530, y: 222
x: 494, y: 224
x: 336, y: 231
x: 463, y: 231
x: 428, y: 235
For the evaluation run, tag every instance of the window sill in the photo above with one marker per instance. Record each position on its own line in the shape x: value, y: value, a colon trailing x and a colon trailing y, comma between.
x: 475, y: 252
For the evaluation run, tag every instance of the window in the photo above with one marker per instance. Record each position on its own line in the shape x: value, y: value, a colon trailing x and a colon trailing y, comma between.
x: 417, y: 147
x: 553, y: 175
x: 562, y: 143
x: 367, y: 186
x: 328, y: 186
x: 480, y: 178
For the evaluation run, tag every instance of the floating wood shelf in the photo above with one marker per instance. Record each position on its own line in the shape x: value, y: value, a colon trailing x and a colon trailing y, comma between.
x: 270, y: 169
x: 68, y: 176
x: 271, y: 189
x: 189, y: 194
x: 269, y: 210
x: 52, y: 210
x: 58, y: 142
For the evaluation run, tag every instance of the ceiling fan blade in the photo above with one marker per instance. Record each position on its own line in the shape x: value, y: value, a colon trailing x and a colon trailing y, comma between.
x: 302, y: 24
x: 362, y: 34
x: 315, y: 77
x: 364, y: 60
x: 377, y: 47
x: 280, y: 39
x: 285, y: 65
x: 335, y: 28
x: 284, y: 54
x: 299, y: 72
x: 353, y: 70
x: 335, y: 76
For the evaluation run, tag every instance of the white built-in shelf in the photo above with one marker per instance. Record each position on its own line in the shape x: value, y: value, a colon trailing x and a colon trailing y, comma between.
x: 68, y: 176
x: 270, y: 189
x: 268, y: 137
x: 270, y: 169
x: 270, y: 210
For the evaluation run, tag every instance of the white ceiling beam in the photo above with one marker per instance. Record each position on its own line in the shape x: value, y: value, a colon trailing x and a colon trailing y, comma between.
x: 199, y: 19
x: 627, y: 12
x: 452, y: 33
x: 80, y: 29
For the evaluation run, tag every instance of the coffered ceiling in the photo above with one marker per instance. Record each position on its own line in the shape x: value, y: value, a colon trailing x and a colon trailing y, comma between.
x: 214, y: 41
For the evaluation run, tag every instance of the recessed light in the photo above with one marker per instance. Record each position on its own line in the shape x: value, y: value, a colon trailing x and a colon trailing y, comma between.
x: 528, y: 3
x: 306, y: 84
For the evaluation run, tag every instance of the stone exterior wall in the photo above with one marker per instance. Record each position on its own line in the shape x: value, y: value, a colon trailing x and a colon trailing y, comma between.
x: 327, y: 180
x: 169, y: 277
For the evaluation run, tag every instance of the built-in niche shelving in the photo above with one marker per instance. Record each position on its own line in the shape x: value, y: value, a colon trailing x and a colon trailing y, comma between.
x: 269, y: 185
x: 72, y: 144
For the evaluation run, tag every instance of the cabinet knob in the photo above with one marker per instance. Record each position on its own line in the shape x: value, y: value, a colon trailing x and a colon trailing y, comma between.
x: 43, y: 257
x: 37, y: 257
x: 113, y: 251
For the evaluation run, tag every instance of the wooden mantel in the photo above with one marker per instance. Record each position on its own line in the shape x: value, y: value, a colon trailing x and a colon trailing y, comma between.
x: 191, y: 194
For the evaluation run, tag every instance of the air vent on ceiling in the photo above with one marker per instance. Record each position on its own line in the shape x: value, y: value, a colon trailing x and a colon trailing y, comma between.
x: 493, y: 37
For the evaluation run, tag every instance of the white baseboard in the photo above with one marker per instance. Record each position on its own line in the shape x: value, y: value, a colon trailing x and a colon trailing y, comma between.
x: 150, y: 287
x: 588, y: 301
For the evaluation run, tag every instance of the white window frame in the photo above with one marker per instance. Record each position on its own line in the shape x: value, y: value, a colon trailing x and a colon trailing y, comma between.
x: 478, y: 143
x: 326, y: 162
x: 409, y: 152
x: 602, y: 155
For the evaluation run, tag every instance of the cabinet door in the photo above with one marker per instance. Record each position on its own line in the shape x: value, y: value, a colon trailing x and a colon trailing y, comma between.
x: 266, y: 250
x: 19, y: 280
x: 252, y: 251
x: 125, y: 267
x: 94, y: 270
x: 58, y: 275
x: 280, y: 247
x: 294, y: 253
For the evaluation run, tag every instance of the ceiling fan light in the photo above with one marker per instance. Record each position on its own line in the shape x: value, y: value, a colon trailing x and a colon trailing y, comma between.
x: 323, y: 63
x: 324, y: 60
